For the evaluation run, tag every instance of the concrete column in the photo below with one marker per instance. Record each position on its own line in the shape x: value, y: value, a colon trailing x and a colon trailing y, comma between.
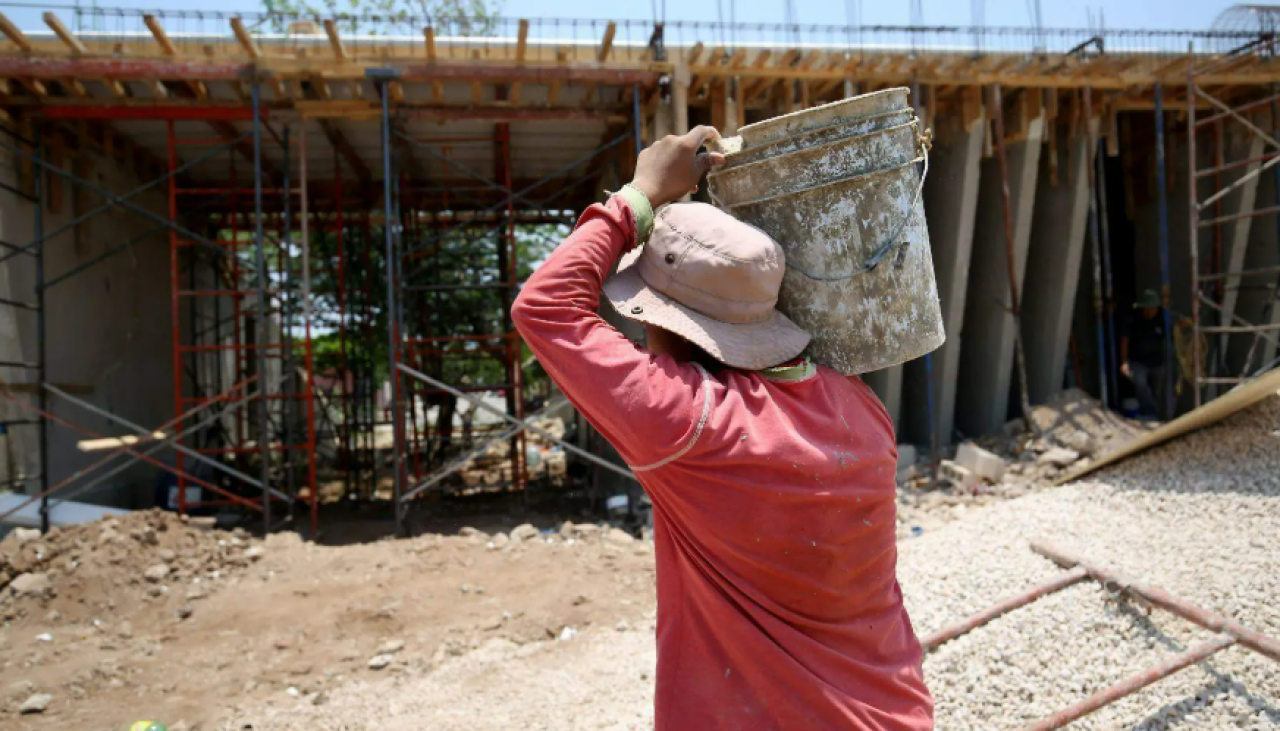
x: 1235, y: 239
x: 986, y: 362
x: 1053, y: 268
x: 887, y: 384
x: 950, y: 205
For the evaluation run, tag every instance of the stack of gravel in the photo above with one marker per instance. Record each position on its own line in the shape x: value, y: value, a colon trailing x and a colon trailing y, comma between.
x: 1199, y: 516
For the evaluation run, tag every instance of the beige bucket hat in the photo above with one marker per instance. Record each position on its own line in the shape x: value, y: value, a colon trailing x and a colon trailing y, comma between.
x: 712, y: 280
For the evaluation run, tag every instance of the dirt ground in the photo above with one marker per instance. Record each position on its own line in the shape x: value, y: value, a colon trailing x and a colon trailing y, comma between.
x: 503, y: 625
x: 296, y: 623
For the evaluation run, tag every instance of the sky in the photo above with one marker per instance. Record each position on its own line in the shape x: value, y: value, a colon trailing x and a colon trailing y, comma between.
x: 1145, y: 14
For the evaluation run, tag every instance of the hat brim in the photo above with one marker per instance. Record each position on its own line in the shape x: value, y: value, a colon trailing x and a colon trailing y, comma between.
x: 748, y: 346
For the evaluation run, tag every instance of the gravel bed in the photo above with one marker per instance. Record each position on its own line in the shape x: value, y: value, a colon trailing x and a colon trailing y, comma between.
x: 1199, y: 517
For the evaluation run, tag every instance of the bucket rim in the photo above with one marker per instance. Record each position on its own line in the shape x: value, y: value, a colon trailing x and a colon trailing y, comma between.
x: 820, y: 186
x: 754, y: 153
x: 753, y: 129
x: 729, y: 170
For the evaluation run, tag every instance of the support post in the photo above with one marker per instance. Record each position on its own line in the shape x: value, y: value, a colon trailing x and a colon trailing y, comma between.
x: 951, y: 205
x: 260, y: 272
x: 393, y: 374
x: 41, y: 325
x: 1054, y: 254
x: 993, y: 343
x: 1095, y: 247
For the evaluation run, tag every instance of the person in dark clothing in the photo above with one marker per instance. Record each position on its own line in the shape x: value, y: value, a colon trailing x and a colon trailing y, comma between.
x: 1142, y: 353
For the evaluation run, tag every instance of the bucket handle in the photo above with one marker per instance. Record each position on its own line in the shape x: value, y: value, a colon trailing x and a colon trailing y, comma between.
x: 926, y: 141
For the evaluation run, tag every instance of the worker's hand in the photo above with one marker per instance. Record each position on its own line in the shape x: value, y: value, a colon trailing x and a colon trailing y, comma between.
x: 672, y: 166
x: 1126, y: 370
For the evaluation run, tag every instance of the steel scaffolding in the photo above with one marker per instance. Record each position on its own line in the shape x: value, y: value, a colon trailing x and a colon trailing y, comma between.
x: 1215, y: 290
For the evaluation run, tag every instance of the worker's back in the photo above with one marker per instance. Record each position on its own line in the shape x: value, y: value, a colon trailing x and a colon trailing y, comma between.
x: 773, y: 497
x: 779, y: 607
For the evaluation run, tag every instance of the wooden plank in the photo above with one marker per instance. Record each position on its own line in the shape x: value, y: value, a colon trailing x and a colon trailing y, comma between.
x: 158, y: 32
x: 429, y: 40
x: 1236, y: 400
x: 522, y: 41
x: 607, y: 44
x: 74, y: 87
x: 343, y: 147
x: 695, y: 53
x: 249, y: 45
x: 66, y: 36
x: 335, y: 41
x: 15, y: 36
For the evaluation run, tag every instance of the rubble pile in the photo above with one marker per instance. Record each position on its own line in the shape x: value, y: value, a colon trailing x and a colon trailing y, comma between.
x: 85, y: 570
x: 1070, y: 429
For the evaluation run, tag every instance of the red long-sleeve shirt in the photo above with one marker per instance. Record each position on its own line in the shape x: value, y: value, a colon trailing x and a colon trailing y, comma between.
x: 774, y: 513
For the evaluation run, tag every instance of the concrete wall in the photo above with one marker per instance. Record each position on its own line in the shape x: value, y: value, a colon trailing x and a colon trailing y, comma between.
x: 950, y: 204
x: 1058, y: 234
x: 108, y: 328
x: 986, y: 361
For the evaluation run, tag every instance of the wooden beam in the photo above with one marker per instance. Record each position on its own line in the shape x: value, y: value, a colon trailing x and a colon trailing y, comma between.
x: 66, y: 36
x: 249, y: 45
x: 607, y: 44
x: 522, y: 47
x: 74, y: 87
x: 694, y: 54
x: 14, y: 35
x: 344, y: 148
x: 116, y: 88
x: 522, y: 41
x: 162, y: 38
x: 429, y: 39
x: 335, y: 42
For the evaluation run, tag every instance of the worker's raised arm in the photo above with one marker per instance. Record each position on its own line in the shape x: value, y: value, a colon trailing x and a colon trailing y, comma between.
x: 646, y: 405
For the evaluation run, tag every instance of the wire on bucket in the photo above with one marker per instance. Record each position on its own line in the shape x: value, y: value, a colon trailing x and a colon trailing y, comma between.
x: 925, y: 141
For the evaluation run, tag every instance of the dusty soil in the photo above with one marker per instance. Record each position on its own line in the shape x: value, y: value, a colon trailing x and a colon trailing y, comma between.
x: 302, y: 617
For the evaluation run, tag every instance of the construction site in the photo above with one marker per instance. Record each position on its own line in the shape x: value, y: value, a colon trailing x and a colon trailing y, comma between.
x: 275, y: 456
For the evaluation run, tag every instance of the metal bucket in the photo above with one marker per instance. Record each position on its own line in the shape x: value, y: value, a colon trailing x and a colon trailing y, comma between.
x: 837, y: 187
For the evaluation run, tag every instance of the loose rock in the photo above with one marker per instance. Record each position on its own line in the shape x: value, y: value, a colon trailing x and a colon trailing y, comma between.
x: 155, y: 574
x: 37, y: 703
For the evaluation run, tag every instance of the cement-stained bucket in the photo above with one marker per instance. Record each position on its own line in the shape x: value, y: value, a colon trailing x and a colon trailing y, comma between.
x: 839, y: 188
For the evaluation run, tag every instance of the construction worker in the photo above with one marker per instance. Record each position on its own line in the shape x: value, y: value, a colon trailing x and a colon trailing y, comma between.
x: 1142, y: 353
x: 772, y: 479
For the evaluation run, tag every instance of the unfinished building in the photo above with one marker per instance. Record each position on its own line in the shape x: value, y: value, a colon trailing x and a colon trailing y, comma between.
x: 258, y: 262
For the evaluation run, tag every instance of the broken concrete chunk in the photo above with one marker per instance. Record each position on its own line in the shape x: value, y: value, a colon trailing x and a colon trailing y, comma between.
x: 35, y: 584
x: 523, y: 533
x: 36, y: 703
x: 960, y: 478
x: 980, y: 462
x: 155, y: 574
